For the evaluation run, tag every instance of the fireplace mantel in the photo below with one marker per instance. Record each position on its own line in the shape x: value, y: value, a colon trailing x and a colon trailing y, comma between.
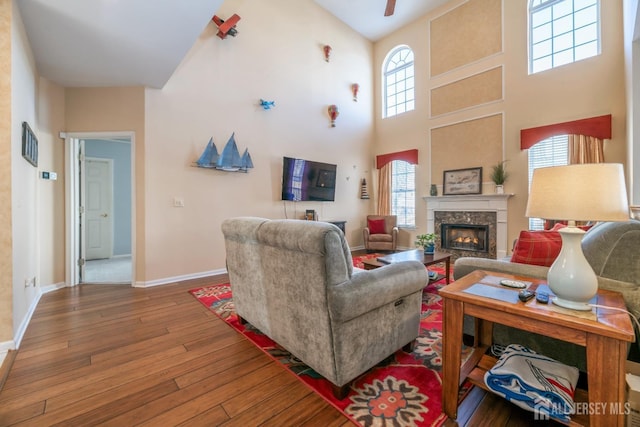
x: 497, y: 203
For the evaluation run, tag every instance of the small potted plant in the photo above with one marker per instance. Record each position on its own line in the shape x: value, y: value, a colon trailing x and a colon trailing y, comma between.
x: 427, y: 242
x: 499, y: 175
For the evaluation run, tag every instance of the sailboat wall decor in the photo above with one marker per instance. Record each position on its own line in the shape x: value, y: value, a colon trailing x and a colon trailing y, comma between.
x: 209, y: 156
x: 229, y: 160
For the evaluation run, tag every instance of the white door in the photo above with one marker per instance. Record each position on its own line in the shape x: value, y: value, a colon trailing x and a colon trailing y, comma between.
x: 98, y: 208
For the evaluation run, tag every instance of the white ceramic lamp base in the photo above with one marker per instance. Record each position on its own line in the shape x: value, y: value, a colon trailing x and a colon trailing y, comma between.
x: 571, y: 277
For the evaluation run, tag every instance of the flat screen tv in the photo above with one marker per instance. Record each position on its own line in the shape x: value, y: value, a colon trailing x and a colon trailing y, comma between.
x: 304, y: 180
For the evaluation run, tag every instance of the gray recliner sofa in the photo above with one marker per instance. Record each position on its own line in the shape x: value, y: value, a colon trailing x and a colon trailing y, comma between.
x: 613, y: 251
x: 294, y: 280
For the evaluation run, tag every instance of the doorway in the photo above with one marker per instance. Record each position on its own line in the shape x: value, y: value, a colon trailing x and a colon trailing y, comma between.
x: 100, y: 206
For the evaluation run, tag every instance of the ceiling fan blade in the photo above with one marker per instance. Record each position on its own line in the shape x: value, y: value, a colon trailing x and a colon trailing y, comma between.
x: 391, y: 5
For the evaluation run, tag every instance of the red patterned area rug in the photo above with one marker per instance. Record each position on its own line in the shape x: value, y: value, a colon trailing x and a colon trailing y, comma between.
x: 404, y: 390
x: 357, y: 260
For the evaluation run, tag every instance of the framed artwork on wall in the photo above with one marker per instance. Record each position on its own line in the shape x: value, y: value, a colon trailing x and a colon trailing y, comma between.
x: 462, y: 181
x: 29, y: 144
x: 310, y: 215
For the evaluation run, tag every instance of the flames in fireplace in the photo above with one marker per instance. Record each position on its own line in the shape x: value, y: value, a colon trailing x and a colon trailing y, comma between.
x: 473, y: 241
x: 465, y: 237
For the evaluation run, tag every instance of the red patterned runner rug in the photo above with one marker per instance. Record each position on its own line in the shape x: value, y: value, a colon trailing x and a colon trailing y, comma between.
x: 404, y: 390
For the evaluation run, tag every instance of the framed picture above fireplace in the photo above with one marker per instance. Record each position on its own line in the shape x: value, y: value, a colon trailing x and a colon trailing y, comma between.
x: 462, y: 181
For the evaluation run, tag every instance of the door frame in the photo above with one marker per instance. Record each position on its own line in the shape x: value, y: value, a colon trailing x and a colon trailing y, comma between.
x: 72, y: 196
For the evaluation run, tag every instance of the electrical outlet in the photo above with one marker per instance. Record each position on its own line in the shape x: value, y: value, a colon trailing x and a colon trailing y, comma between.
x: 178, y: 202
x: 26, y: 283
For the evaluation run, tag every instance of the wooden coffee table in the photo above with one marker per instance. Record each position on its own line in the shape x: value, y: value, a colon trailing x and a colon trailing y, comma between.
x: 412, y: 255
x: 604, y: 332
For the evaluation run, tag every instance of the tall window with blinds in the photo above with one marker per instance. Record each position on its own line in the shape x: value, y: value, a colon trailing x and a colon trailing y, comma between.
x: 403, y: 192
x: 552, y: 151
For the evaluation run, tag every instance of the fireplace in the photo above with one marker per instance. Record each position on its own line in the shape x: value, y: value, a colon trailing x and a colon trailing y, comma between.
x: 465, y: 237
x: 488, y: 210
x: 466, y: 233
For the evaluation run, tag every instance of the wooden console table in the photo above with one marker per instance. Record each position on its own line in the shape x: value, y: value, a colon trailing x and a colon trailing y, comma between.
x: 605, y: 338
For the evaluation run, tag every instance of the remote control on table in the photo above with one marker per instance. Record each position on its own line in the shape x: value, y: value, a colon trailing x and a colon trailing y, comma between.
x: 513, y: 283
x: 542, y: 297
x: 525, y: 295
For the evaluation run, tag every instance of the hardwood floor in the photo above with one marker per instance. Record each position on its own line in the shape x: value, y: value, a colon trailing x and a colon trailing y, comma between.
x: 120, y: 356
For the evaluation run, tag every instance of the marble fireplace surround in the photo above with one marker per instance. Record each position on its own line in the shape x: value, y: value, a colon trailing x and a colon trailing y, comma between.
x: 482, y: 203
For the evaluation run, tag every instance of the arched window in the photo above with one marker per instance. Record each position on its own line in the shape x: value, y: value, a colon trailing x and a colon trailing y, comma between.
x: 398, y: 82
x: 562, y: 31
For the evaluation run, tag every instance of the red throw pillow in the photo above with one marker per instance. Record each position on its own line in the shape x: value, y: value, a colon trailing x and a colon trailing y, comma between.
x: 537, y: 247
x: 376, y: 226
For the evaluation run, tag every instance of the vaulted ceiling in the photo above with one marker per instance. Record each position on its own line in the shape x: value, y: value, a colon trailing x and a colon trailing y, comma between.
x: 80, y: 43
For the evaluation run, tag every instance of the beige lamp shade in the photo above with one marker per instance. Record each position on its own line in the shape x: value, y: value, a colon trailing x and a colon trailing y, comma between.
x: 585, y: 192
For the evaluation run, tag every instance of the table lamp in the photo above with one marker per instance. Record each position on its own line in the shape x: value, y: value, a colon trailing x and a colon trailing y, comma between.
x: 584, y: 192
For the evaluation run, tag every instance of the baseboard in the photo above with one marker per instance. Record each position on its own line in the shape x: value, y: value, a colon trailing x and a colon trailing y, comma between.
x: 5, y: 346
x: 54, y: 287
x: 6, y: 362
x: 170, y: 280
x: 25, y: 321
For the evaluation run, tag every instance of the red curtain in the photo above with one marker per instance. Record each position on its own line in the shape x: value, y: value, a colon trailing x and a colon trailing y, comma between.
x: 410, y: 156
x: 599, y: 127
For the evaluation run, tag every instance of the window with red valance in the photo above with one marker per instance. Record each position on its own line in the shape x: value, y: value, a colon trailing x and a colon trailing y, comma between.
x: 397, y: 186
x: 409, y: 156
x: 598, y: 127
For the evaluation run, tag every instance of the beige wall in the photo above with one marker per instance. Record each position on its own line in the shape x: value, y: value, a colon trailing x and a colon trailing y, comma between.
x: 51, y: 206
x: 114, y: 110
x: 24, y: 177
x: 37, y: 212
x: 6, y: 255
x: 215, y: 92
x: 584, y: 89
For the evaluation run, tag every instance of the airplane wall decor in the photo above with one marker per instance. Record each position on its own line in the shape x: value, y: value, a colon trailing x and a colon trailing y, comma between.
x: 228, y: 27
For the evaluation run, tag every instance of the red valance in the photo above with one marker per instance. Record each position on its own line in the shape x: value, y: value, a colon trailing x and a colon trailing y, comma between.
x: 599, y: 127
x: 410, y: 156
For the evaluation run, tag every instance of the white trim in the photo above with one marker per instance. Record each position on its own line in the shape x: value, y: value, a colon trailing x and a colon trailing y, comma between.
x: 4, y: 350
x: 22, y: 328
x: 497, y: 203
x: 5, y: 346
x: 182, y: 278
x: 468, y: 119
x: 54, y: 287
x: 71, y: 270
